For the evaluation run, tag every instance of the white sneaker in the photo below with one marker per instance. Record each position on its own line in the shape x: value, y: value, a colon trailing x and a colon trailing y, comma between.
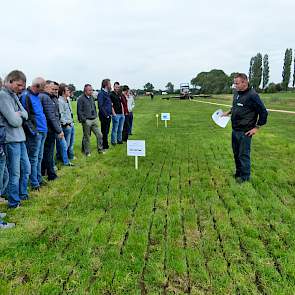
x: 2, y: 200
x: 4, y: 225
x: 2, y: 215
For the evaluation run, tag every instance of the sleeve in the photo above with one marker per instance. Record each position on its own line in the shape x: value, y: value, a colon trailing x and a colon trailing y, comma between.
x: 100, y: 101
x: 133, y: 104
x: 48, y: 108
x: 9, y: 114
x: 80, y: 111
x: 62, y: 111
x: 24, y: 113
x: 261, y: 109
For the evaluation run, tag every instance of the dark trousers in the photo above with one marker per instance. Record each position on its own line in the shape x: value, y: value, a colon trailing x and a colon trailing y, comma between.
x: 125, y: 128
x: 241, y: 145
x: 105, y: 124
x: 130, y: 123
x: 48, y: 156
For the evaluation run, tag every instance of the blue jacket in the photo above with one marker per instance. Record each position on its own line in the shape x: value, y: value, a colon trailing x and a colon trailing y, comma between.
x: 33, y: 106
x: 51, y: 111
x: 104, y: 103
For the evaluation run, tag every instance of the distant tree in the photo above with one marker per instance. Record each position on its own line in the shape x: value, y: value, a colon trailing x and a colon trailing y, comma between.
x: 265, y: 79
x: 77, y: 93
x: 148, y: 87
x: 271, y: 88
x: 287, y: 69
x: 169, y: 87
x: 294, y: 72
x: 255, y: 72
x: 215, y: 82
x: 250, y: 75
x: 140, y: 92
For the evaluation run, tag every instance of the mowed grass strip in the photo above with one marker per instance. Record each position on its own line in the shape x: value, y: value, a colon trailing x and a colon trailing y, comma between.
x: 180, y: 224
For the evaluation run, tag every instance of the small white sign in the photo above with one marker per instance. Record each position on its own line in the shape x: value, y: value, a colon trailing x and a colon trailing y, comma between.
x: 219, y: 120
x: 165, y: 116
x: 136, y: 148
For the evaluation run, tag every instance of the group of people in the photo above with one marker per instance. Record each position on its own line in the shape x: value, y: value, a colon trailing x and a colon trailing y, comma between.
x: 37, y: 121
x: 114, y: 106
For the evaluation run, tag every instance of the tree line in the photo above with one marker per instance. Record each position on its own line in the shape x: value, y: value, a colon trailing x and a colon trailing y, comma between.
x: 216, y: 81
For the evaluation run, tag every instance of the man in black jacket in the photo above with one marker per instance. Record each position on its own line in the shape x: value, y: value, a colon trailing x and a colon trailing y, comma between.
x: 248, y: 114
x: 87, y: 115
x: 51, y: 111
x: 105, y: 110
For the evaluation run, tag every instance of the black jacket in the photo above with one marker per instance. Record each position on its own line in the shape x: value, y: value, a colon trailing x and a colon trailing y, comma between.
x: 51, y: 111
x: 247, y: 111
x: 86, y: 108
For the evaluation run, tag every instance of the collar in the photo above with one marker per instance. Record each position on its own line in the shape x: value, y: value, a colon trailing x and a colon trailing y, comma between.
x: 31, y: 92
x: 243, y: 92
x: 9, y: 91
x: 44, y: 92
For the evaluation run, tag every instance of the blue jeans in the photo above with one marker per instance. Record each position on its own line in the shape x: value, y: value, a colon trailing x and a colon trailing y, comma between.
x: 69, y: 133
x: 35, y: 148
x: 4, y: 177
x: 19, y: 169
x: 63, y: 148
x: 241, y: 145
x: 130, y: 123
x: 117, y: 128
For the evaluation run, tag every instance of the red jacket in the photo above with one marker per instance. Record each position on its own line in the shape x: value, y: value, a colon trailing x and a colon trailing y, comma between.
x: 125, y: 105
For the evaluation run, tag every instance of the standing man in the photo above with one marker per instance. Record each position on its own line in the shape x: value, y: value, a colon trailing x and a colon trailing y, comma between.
x: 248, y: 114
x: 3, y: 166
x: 3, y: 169
x: 35, y: 128
x: 87, y: 116
x: 105, y: 110
x: 117, y: 115
x: 51, y: 111
x: 18, y: 163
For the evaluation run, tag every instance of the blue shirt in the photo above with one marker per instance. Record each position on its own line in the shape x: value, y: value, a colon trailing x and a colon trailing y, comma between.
x: 34, y: 107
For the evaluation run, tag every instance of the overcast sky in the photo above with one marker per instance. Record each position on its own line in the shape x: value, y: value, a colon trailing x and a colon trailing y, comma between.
x: 139, y: 41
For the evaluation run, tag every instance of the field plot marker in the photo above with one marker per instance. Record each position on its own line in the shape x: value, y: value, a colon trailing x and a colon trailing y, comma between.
x: 136, y: 148
x: 157, y: 116
x: 165, y: 117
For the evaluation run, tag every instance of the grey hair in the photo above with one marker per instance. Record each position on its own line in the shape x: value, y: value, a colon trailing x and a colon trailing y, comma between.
x: 38, y: 80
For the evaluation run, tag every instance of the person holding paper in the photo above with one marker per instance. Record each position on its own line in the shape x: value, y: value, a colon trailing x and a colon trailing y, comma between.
x: 248, y: 114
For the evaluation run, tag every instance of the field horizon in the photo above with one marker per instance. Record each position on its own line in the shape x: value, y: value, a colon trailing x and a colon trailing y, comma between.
x: 178, y: 225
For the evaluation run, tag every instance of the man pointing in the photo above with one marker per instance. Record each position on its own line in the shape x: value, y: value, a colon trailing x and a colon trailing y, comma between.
x: 248, y: 114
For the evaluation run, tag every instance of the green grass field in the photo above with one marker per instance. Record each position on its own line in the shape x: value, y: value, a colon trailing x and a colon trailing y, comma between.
x: 180, y: 224
x: 281, y: 100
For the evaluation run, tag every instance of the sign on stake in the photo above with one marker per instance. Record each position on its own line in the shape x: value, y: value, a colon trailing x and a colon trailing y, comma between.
x: 136, y: 148
x: 165, y: 117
